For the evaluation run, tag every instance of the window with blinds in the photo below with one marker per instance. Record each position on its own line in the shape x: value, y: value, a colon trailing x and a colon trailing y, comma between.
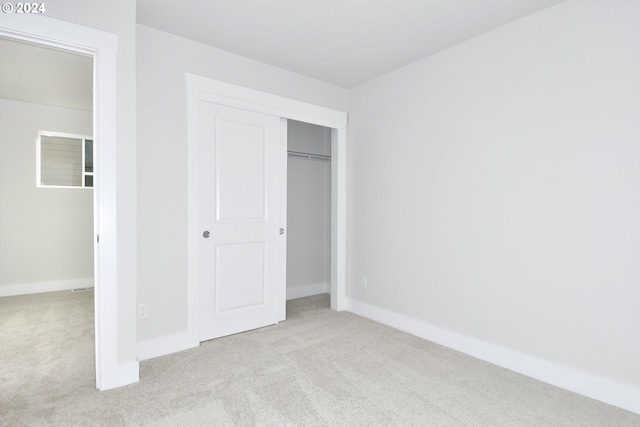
x: 64, y: 160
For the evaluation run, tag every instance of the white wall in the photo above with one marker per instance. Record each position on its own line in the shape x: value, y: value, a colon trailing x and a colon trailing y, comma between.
x: 162, y: 61
x: 308, y: 212
x: 494, y: 191
x: 46, y: 234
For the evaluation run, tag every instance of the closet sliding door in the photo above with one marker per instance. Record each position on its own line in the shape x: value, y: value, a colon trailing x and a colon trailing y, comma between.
x: 239, y: 219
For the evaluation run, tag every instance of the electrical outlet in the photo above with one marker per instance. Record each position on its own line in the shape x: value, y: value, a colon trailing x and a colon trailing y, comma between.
x: 143, y: 311
x: 363, y: 281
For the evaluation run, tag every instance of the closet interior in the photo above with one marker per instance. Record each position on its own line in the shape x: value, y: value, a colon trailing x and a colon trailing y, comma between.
x: 308, y: 209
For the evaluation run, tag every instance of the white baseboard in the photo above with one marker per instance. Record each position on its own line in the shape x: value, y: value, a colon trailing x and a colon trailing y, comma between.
x: 123, y: 374
x: 156, y: 347
x: 40, y: 287
x: 308, y: 290
x: 605, y: 390
x: 161, y: 346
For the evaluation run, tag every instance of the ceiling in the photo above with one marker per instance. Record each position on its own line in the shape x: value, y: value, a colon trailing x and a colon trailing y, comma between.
x: 343, y: 42
x: 42, y: 75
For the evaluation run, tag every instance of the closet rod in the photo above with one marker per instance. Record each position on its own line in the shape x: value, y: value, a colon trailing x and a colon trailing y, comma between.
x: 308, y: 156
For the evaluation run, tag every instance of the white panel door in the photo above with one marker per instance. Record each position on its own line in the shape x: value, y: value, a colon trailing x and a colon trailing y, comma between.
x: 239, y: 181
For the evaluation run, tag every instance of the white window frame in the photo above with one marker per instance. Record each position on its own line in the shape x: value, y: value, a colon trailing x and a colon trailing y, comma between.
x: 83, y: 138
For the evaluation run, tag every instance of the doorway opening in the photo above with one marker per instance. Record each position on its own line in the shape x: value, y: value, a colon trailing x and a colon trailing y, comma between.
x: 113, y: 344
x: 308, y: 210
x: 47, y: 227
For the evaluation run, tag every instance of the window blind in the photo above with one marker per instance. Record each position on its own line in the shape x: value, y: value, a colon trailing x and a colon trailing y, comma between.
x: 61, y: 161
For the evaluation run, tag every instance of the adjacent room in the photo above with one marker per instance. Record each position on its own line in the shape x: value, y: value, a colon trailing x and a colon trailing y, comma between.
x: 340, y: 213
x: 46, y: 223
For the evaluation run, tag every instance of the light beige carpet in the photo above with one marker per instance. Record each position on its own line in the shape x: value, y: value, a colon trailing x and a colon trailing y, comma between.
x: 318, y: 368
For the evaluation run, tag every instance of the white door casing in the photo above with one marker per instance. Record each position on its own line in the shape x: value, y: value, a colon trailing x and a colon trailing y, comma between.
x: 111, y: 372
x: 239, y: 164
x: 205, y: 89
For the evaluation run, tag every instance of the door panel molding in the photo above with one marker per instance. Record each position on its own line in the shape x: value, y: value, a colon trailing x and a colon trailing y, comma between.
x: 241, y: 302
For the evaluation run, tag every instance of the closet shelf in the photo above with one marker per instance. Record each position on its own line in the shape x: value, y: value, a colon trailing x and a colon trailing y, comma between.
x: 308, y: 156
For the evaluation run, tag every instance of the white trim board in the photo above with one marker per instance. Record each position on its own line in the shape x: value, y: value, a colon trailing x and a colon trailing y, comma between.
x: 266, y: 103
x: 605, y: 390
x: 48, y: 286
x: 302, y: 291
x: 203, y: 88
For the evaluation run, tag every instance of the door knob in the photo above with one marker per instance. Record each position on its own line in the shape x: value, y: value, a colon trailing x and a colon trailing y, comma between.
x: 206, y: 234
